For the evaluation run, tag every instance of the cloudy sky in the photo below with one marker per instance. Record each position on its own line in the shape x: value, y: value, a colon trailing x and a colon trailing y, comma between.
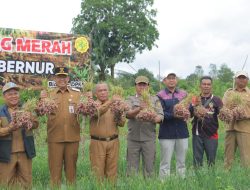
x: 192, y: 32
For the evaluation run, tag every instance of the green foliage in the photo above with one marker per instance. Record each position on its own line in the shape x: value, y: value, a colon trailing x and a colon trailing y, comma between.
x: 1, y: 98
x: 225, y: 74
x: 192, y: 81
x: 26, y: 94
x: 118, y: 29
x: 127, y: 81
x: 219, y: 87
x: 202, y: 179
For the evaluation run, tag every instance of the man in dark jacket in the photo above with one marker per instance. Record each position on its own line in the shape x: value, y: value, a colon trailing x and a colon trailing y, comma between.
x: 173, y: 134
x: 16, y: 145
x: 205, y: 123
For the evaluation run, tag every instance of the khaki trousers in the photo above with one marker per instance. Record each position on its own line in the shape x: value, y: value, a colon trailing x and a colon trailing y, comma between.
x: 233, y: 140
x: 62, y: 154
x: 104, y: 158
x: 17, y: 173
x: 138, y: 149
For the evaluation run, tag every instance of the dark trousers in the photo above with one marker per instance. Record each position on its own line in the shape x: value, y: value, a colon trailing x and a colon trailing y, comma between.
x: 201, y: 145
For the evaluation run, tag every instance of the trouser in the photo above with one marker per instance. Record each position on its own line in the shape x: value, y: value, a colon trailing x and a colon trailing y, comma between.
x: 104, y: 158
x: 62, y: 154
x: 167, y: 148
x: 234, y: 139
x: 17, y: 173
x: 201, y: 145
x: 144, y: 149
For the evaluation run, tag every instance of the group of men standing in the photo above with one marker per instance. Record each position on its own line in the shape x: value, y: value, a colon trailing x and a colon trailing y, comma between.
x: 63, y: 129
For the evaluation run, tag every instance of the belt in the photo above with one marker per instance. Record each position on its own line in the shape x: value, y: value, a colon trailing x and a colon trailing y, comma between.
x: 104, y: 138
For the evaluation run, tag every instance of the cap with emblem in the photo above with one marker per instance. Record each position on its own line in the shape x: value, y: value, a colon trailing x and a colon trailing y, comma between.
x: 241, y: 73
x: 141, y: 79
x: 10, y: 85
x: 61, y: 71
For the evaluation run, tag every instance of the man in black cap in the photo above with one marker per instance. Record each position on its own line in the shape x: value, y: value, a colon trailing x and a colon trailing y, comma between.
x: 63, y: 129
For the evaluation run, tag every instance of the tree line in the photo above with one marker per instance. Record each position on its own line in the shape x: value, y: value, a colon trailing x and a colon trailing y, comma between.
x: 222, y: 79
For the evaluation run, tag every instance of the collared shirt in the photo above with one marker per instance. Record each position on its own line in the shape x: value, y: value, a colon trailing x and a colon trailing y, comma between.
x: 241, y: 125
x: 104, y: 125
x: 208, y: 126
x: 140, y: 130
x: 63, y: 126
x: 172, y: 128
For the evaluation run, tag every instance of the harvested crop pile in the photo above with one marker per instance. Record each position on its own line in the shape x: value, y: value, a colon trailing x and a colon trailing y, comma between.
x: 23, y: 117
x: 46, y: 106
x: 147, y: 113
x: 226, y: 115
x: 87, y: 106
x: 237, y: 105
x: 181, y: 109
x: 118, y: 107
x: 200, y: 111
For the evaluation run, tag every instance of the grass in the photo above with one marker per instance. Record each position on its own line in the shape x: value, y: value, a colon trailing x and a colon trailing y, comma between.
x: 238, y: 178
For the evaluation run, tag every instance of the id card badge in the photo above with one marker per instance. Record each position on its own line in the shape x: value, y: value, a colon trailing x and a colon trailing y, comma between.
x: 71, y: 109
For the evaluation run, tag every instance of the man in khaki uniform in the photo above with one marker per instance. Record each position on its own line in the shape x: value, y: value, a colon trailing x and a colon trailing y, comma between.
x: 142, y: 134
x: 16, y: 145
x: 238, y: 132
x: 104, y: 144
x: 63, y: 129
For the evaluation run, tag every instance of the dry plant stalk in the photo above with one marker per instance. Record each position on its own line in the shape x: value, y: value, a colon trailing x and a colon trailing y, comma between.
x: 200, y: 111
x: 237, y: 105
x: 226, y: 115
x: 118, y: 107
x: 181, y: 109
x: 147, y: 114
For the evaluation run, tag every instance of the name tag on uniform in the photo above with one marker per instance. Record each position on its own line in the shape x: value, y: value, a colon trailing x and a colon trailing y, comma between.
x: 71, y: 109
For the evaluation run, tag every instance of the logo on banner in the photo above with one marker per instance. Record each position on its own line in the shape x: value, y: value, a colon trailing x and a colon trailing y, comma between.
x: 82, y: 44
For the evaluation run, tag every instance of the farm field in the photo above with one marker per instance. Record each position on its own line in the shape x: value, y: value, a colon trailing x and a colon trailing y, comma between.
x: 238, y: 178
